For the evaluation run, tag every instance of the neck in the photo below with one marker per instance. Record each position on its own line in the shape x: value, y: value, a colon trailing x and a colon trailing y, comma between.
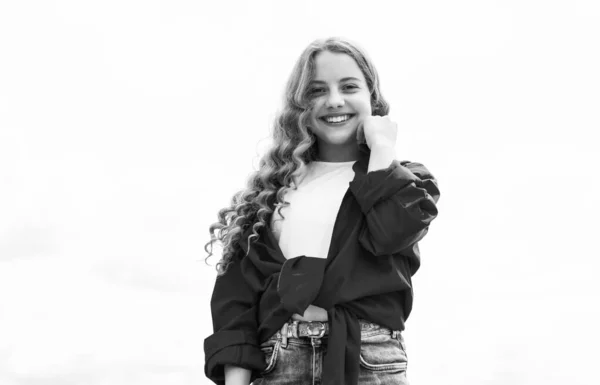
x: 329, y: 153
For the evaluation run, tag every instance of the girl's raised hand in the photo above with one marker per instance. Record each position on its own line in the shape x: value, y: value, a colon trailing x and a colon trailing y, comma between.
x: 377, y: 131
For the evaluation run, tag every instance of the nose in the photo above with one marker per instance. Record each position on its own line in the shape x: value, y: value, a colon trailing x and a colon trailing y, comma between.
x: 335, y: 100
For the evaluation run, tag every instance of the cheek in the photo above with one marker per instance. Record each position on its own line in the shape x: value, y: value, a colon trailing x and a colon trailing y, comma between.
x: 313, y: 117
x: 316, y: 107
x: 363, y: 104
x: 366, y: 110
x: 314, y: 120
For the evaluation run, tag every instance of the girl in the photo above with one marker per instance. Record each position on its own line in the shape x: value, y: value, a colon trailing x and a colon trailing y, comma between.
x: 318, y: 251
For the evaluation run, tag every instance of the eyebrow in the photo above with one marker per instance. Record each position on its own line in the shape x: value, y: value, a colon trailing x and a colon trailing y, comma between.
x: 341, y: 80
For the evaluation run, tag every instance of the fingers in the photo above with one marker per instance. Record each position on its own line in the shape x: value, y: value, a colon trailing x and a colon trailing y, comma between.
x: 360, y: 133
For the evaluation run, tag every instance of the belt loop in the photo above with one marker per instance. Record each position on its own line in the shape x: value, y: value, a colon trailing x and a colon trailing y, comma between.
x: 284, y: 335
x: 394, y: 333
x: 295, y: 329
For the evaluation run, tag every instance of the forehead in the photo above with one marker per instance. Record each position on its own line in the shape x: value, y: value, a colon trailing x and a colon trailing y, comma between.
x: 333, y: 66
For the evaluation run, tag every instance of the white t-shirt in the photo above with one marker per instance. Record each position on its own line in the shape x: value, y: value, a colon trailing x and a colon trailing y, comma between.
x: 309, y: 219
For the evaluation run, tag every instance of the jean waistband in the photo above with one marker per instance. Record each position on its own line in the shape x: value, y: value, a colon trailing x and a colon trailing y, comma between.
x: 311, y: 329
x: 320, y: 329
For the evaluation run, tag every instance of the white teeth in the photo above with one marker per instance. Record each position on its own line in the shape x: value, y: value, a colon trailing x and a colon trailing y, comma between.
x: 337, y: 119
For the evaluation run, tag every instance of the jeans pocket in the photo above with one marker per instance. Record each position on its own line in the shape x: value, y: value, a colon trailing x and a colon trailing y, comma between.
x: 383, y: 353
x: 270, y: 349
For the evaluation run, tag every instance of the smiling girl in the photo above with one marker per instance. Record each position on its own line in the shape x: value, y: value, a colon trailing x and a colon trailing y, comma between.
x: 314, y: 285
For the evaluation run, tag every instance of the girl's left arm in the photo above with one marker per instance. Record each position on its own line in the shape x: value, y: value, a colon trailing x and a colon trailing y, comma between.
x: 399, y: 203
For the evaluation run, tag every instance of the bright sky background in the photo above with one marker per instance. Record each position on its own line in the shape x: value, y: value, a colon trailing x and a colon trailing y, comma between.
x: 126, y: 125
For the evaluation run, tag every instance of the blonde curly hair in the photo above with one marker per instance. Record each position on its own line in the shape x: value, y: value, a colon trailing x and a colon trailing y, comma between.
x: 294, y: 146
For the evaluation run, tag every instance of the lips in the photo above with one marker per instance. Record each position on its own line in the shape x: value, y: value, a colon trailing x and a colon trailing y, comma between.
x: 336, y: 116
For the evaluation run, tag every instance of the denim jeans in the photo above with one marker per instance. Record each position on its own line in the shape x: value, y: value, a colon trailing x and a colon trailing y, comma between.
x: 383, y: 358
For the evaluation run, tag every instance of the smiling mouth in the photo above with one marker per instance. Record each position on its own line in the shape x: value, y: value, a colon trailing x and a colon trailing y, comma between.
x: 337, y: 120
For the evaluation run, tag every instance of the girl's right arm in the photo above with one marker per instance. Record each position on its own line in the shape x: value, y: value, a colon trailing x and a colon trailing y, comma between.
x: 235, y: 375
x: 234, y: 305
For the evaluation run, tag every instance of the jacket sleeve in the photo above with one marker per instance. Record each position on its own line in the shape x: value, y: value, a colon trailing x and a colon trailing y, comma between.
x: 399, y: 203
x: 234, y: 315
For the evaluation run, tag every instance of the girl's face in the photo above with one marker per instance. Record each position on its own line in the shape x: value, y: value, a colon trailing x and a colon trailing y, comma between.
x: 341, y: 100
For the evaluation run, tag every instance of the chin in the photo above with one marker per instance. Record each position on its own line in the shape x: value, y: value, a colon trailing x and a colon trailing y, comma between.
x: 341, y: 139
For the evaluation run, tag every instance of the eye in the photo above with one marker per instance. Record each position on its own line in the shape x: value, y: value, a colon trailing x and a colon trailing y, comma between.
x: 315, y: 92
x: 350, y: 86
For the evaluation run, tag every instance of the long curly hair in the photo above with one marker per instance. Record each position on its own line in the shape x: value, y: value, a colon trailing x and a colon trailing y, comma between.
x: 293, y: 147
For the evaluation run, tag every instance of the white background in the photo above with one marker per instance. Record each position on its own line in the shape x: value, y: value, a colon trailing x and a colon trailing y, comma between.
x: 126, y: 125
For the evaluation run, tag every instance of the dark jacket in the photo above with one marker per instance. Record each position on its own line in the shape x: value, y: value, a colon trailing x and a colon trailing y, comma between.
x: 367, y: 274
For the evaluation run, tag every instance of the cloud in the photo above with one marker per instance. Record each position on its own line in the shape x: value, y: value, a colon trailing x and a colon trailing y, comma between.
x: 141, y: 276
x: 27, y: 241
